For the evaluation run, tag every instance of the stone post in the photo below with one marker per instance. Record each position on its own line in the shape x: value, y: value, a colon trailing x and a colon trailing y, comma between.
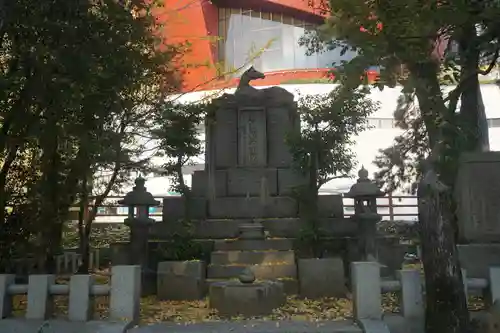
x: 139, y: 223
x: 365, y: 194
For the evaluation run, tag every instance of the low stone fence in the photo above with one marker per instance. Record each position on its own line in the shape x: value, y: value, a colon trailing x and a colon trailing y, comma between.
x: 124, y: 292
x: 367, y: 289
x: 66, y: 263
x: 69, y: 261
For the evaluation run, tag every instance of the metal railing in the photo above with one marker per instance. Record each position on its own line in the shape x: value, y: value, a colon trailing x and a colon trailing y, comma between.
x: 391, y: 207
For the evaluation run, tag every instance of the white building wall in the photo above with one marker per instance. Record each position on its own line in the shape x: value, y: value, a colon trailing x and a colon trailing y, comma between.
x: 367, y: 144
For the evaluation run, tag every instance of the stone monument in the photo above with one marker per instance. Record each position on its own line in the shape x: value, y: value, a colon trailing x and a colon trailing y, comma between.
x: 248, y: 163
x: 478, y: 211
x: 478, y: 192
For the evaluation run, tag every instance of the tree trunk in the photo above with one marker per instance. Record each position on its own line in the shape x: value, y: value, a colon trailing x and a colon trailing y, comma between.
x: 446, y: 308
x: 472, y: 111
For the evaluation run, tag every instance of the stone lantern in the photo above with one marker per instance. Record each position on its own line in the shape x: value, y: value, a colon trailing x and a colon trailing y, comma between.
x: 365, y: 193
x: 138, y: 202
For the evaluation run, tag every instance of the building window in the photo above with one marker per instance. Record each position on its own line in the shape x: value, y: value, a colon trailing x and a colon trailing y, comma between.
x: 269, y: 41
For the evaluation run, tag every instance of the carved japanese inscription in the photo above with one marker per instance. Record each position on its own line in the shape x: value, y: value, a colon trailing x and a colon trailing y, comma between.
x: 252, y: 140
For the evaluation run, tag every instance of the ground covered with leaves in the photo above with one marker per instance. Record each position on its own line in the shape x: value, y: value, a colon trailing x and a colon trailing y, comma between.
x: 295, y: 308
x: 153, y: 311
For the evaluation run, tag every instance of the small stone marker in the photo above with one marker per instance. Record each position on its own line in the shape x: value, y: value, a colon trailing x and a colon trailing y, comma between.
x: 233, y: 298
x: 181, y: 280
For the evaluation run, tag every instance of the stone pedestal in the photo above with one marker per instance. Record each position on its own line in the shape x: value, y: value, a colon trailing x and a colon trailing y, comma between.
x: 181, y: 280
x: 321, y: 278
x: 234, y: 298
x: 248, y: 173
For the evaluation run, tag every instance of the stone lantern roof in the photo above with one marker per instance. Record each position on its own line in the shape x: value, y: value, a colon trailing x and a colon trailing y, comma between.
x: 139, y: 196
x: 364, y: 187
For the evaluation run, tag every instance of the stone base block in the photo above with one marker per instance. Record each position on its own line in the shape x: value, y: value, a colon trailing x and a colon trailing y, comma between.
x: 322, y: 278
x: 253, y: 245
x: 330, y: 206
x: 181, y: 280
x: 275, y: 227
x: 120, y: 254
x: 174, y: 208
x: 289, y: 180
x: 240, y: 207
x: 262, y: 272
x: 249, y: 181
x: 478, y: 258
x: 252, y: 257
x: 234, y: 298
x: 199, y: 183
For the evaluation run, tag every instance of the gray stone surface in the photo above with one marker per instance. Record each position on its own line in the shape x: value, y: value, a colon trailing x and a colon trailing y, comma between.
x: 478, y: 258
x: 322, y: 277
x: 275, y: 227
x: 412, y: 302
x: 252, y: 136
x: 80, y: 302
x: 226, y: 138
x: 200, y: 183
x: 253, y: 245
x: 282, y: 120
x: 173, y: 208
x: 330, y: 206
x: 119, y: 253
x: 251, y: 257
x: 366, y: 290
x: 181, y: 280
x: 254, y: 326
x: 61, y: 326
x: 234, y: 298
x: 40, y: 303
x: 477, y: 192
x: 261, y: 271
x: 234, y: 207
x: 288, y: 180
x: 125, y: 294
x: 243, y: 181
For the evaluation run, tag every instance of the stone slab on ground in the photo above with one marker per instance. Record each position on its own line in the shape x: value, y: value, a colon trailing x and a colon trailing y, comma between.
x: 253, y: 326
x: 61, y: 326
x: 322, y: 277
x: 233, y: 298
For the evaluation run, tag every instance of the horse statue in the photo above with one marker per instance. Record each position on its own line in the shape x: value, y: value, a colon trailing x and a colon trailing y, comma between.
x: 249, y: 75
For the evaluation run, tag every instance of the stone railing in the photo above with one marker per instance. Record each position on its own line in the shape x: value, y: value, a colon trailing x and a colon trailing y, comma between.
x: 123, y: 290
x: 391, y: 207
x: 367, y: 289
x: 68, y: 261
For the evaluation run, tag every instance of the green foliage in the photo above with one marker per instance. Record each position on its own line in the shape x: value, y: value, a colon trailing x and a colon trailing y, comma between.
x: 329, y: 124
x: 322, y: 151
x: 402, y: 38
x: 75, y: 78
x: 177, y: 134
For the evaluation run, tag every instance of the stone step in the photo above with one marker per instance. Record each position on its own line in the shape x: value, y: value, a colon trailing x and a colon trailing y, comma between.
x: 252, y: 257
x: 290, y: 285
x: 247, y: 326
x: 278, y: 244
x: 264, y: 272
